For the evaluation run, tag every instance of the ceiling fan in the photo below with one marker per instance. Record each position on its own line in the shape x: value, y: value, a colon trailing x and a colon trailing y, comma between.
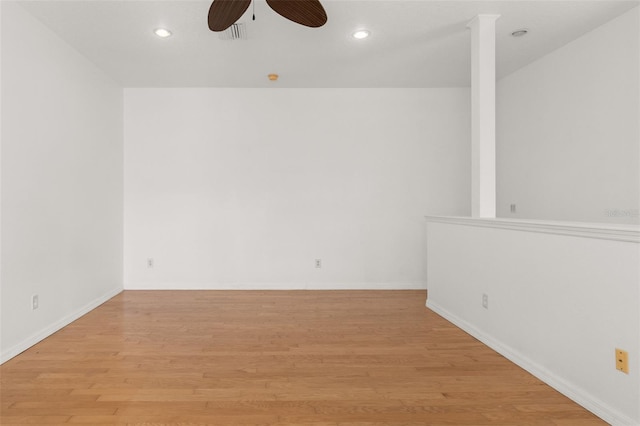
x: 224, y: 13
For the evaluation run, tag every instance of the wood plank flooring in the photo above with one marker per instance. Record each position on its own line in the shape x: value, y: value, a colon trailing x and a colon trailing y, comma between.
x: 273, y: 358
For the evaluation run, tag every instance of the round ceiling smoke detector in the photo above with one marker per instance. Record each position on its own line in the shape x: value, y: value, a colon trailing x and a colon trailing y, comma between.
x: 273, y: 77
x: 520, y: 33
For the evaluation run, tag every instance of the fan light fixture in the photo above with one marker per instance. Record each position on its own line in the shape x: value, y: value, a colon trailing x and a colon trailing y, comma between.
x: 224, y: 13
x: 273, y: 77
x: 162, y: 32
x: 361, y: 34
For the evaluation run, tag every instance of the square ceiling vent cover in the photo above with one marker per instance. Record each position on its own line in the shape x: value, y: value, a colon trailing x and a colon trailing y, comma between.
x: 236, y: 31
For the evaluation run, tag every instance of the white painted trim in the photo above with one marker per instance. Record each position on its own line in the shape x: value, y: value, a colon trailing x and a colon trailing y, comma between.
x: 601, y: 231
x: 276, y: 286
x: 596, y: 406
x: 63, y: 322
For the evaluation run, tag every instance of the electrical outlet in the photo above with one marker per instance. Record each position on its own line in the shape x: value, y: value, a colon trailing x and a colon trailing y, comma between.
x: 318, y: 263
x: 150, y: 262
x: 622, y: 360
x: 485, y: 301
x: 513, y: 208
x: 35, y: 302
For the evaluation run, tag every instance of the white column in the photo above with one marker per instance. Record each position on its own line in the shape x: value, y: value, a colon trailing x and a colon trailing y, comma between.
x: 483, y: 115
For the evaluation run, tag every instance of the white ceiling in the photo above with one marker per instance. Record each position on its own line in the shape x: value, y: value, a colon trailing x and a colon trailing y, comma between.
x: 413, y: 43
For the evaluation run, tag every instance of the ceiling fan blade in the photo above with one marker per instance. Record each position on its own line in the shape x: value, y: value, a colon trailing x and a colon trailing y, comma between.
x: 304, y: 12
x: 224, y: 13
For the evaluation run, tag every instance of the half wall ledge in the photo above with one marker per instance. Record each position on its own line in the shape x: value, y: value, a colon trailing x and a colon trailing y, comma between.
x: 601, y: 231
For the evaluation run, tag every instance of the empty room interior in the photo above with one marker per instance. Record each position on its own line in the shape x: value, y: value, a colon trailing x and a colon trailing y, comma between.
x: 345, y: 212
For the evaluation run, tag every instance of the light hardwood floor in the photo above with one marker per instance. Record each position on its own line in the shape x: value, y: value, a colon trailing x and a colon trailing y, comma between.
x: 273, y: 358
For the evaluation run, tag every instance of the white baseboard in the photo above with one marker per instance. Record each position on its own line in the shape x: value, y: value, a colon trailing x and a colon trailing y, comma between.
x: 580, y: 396
x: 6, y: 355
x: 277, y: 286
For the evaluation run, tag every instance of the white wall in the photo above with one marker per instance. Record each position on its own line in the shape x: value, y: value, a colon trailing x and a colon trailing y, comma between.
x: 244, y: 188
x: 567, y: 130
x: 562, y: 297
x: 61, y: 182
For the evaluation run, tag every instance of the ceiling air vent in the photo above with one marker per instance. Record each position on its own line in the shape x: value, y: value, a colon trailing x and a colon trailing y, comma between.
x: 234, y: 32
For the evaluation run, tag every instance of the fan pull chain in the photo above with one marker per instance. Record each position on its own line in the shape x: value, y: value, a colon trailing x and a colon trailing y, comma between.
x: 254, y: 9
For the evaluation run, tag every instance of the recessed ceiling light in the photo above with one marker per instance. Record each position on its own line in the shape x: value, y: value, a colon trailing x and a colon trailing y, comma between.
x: 520, y: 33
x: 162, y: 32
x: 360, y: 34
